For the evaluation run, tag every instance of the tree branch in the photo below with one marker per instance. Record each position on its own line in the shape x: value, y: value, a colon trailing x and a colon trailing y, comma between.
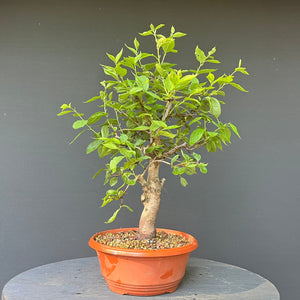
x: 168, y: 109
x: 131, y: 119
x: 143, y: 109
x: 185, y: 146
x: 140, y: 178
x: 175, y: 149
x: 122, y: 198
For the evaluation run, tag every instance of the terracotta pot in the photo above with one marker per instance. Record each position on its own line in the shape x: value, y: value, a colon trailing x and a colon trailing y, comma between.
x: 143, y: 272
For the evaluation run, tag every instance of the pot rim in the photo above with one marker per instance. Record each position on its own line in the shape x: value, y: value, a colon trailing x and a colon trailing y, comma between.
x: 144, y: 252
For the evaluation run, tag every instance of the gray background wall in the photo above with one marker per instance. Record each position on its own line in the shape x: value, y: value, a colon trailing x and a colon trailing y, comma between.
x: 245, y: 211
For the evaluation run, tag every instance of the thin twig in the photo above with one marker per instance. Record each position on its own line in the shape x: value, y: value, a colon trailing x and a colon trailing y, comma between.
x: 131, y: 119
x: 185, y: 146
x: 143, y: 109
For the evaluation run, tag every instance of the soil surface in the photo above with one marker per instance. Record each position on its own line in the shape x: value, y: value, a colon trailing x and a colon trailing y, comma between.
x: 129, y: 240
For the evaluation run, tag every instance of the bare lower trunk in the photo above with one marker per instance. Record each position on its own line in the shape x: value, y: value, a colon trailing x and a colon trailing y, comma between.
x: 151, y: 200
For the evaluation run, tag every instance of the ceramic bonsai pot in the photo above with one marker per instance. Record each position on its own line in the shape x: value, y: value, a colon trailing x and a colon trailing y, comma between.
x: 143, y: 272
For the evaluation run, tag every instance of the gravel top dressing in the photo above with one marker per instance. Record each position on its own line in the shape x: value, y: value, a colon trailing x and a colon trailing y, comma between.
x: 128, y: 240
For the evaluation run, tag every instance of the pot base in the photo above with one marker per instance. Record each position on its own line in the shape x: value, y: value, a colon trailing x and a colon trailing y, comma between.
x: 142, y: 290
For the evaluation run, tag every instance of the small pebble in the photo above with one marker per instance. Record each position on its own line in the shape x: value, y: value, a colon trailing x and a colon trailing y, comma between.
x: 128, y: 240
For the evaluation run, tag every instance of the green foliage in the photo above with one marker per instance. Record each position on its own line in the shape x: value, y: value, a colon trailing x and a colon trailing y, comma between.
x: 149, y: 110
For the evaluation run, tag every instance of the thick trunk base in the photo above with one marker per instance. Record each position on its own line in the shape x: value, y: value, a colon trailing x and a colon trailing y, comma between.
x: 151, y: 201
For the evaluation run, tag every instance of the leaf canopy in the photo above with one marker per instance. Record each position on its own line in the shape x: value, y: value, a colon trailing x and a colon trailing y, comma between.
x: 150, y: 110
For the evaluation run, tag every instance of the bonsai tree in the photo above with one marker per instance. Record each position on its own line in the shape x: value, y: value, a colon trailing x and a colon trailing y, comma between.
x: 149, y: 112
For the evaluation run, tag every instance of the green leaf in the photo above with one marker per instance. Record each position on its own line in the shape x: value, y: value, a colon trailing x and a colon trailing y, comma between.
x: 161, y: 41
x: 65, y: 106
x: 200, y: 55
x: 154, y: 95
x: 160, y: 70
x: 212, y: 133
x: 128, y: 181
x: 105, y: 131
x: 113, y: 217
x: 234, y: 129
x: 113, y: 181
x: 190, y: 170
x: 178, y: 170
x: 123, y: 97
x: 242, y: 70
x: 157, y: 124
x: 144, y: 55
x: 172, y: 127
x: 98, y: 172
x: 110, y: 71
x: 218, y: 143
x: 145, y: 33
x: 203, y: 71
x: 159, y: 26
x: 93, y: 146
x: 138, y: 58
x: 197, y: 156
x: 169, y: 45
x: 212, y: 51
x: 132, y: 50
x: 203, y: 168
x: 77, y: 136
x: 135, y: 90
x: 183, y: 181
x: 92, y: 99
x: 121, y: 71
x: 111, y: 57
x: 215, y: 107
x: 169, y: 84
x: 225, y: 79
x: 96, y: 117
x: 64, y: 112
x: 195, y: 120
x: 186, y: 157
x: 129, y: 208
x: 111, y: 192
x: 187, y: 78
x: 114, y: 163
x: 143, y: 82
x: 167, y: 134
x: 127, y: 153
x: 225, y: 134
x: 211, y: 146
x: 237, y: 86
x: 149, y: 66
x: 123, y: 138
x: 136, y: 44
x: 210, y: 77
x: 196, y: 135
x: 174, y: 159
x: 118, y: 56
x: 213, y: 61
x: 78, y: 115
x: 141, y: 128
x: 103, y: 151
x: 178, y: 34
x: 111, y: 145
x: 79, y: 124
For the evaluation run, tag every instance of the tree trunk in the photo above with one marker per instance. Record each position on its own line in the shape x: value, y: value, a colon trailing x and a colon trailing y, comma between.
x: 151, y: 200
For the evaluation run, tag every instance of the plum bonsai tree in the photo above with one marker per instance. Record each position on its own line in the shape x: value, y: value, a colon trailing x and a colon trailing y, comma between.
x: 151, y: 113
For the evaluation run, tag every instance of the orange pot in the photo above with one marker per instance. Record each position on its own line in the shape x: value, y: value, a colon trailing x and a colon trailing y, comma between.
x: 143, y: 272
